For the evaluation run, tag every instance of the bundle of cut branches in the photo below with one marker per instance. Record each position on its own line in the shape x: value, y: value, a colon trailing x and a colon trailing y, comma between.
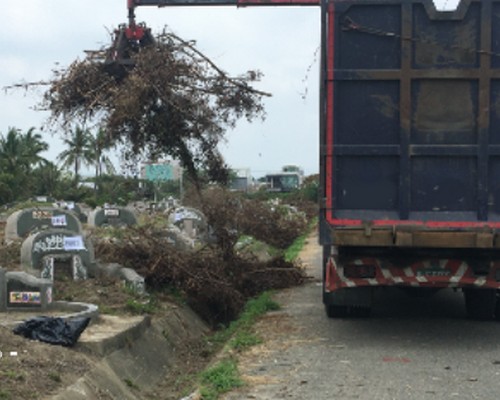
x: 171, y: 100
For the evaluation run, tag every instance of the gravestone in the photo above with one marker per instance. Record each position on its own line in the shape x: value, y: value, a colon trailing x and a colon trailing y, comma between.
x: 112, y: 216
x: 76, y: 208
x: 130, y: 277
x: 20, y: 290
x: 73, y: 263
x: 22, y: 222
x: 191, y: 222
x: 3, y: 290
x: 41, y: 251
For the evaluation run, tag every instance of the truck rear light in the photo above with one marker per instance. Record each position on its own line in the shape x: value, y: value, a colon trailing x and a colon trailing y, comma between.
x: 359, y: 271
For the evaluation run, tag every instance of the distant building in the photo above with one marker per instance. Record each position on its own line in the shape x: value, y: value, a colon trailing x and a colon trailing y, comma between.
x: 241, y: 180
x: 290, y: 178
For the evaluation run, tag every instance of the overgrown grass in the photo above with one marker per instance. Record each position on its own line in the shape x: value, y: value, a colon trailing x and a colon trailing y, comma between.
x: 243, y: 340
x: 253, y: 309
x: 219, y: 379
x: 238, y: 336
x: 136, y: 306
x: 292, y: 252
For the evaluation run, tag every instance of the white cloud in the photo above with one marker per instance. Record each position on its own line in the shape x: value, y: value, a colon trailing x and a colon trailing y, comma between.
x: 279, y: 41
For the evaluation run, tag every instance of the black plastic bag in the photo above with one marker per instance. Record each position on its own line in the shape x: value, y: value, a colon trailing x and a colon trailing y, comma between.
x: 53, y: 330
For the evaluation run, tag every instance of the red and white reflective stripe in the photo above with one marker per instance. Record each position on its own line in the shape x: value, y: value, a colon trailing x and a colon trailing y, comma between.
x: 455, y: 279
x: 447, y: 273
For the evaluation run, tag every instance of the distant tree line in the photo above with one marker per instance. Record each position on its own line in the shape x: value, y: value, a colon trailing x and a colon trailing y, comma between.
x: 25, y: 173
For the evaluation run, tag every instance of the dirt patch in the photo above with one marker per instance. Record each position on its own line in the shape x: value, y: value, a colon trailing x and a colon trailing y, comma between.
x: 39, y: 370
x: 32, y: 370
x: 109, y: 294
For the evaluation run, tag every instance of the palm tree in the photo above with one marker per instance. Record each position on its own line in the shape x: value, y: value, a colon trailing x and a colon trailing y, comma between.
x: 47, y: 179
x: 79, y: 150
x: 10, y: 151
x: 102, y: 143
x: 18, y: 154
x: 32, y: 145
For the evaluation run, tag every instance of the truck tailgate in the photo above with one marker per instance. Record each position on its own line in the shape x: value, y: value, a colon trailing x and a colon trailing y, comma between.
x: 411, y: 123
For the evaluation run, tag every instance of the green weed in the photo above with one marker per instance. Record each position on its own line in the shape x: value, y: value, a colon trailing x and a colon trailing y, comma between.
x: 5, y: 394
x: 219, y: 379
x: 243, y: 340
x: 130, y: 383
x: 253, y: 309
x: 292, y: 252
x: 55, y: 377
x: 141, y: 307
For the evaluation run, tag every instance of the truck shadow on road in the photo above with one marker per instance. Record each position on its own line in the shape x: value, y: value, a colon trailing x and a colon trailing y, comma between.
x: 431, y: 321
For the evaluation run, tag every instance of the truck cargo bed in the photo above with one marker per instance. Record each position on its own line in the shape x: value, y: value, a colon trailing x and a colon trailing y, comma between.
x: 411, y: 125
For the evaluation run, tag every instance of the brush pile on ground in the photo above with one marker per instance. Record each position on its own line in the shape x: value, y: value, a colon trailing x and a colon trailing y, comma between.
x: 214, y: 278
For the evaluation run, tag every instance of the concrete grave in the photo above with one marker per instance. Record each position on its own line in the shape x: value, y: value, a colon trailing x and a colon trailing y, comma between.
x: 112, y: 216
x: 191, y: 222
x: 22, y: 222
x: 42, y: 251
x: 130, y: 277
x: 20, y: 290
x: 3, y: 290
x: 76, y: 208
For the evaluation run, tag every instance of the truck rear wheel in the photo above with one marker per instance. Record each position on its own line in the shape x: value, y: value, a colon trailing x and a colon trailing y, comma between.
x: 480, y: 304
x: 349, y: 302
x: 333, y: 311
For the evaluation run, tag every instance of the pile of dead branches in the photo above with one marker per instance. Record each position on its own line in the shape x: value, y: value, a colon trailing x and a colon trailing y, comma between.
x: 215, y: 286
x: 214, y: 278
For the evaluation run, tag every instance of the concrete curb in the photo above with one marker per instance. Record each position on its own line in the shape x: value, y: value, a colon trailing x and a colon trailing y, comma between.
x: 74, y: 309
x: 103, y: 343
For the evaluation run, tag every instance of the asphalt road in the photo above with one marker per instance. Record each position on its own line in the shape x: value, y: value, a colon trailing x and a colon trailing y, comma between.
x: 411, y: 348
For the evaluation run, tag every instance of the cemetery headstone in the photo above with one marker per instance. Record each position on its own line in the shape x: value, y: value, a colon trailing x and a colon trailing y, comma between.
x: 112, y: 216
x: 3, y: 290
x: 22, y: 222
x: 20, y: 290
x: 190, y: 221
x: 41, y: 251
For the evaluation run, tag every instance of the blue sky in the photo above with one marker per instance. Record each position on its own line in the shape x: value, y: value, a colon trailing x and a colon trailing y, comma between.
x: 282, y: 42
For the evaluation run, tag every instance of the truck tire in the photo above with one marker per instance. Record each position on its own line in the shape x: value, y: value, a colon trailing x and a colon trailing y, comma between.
x: 497, y: 305
x: 480, y: 304
x: 333, y: 311
x: 349, y: 302
x: 326, y: 255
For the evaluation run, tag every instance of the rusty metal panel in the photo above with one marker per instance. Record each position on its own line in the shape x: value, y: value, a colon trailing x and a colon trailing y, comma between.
x: 411, y: 115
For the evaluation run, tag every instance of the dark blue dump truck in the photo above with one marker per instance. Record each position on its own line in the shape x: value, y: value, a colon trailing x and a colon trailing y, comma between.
x: 410, y: 151
x: 409, y: 147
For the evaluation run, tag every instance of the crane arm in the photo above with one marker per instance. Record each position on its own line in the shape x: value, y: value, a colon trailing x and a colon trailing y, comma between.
x: 238, y: 3
x: 130, y: 38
